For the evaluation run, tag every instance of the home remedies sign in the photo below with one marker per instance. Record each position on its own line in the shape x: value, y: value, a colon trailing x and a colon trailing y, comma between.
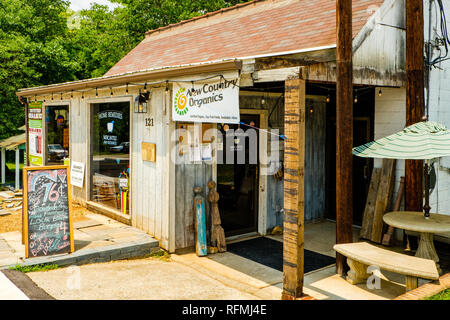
x: 212, y: 102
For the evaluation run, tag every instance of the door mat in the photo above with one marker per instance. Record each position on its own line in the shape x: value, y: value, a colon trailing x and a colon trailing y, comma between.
x: 269, y: 252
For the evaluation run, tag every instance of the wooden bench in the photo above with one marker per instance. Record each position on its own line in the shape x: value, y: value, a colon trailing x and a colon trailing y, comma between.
x: 361, y: 255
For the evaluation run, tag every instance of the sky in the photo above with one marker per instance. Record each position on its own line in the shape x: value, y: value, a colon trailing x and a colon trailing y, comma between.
x: 85, y: 4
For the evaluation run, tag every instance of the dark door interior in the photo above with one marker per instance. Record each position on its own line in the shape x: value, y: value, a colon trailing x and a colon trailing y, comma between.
x: 362, y: 169
x: 363, y: 132
x: 237, y: 183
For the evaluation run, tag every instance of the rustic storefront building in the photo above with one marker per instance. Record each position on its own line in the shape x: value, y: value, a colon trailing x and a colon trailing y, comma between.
x: 283, y: 55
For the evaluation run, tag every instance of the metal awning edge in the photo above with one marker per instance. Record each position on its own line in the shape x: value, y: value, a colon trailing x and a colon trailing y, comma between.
x: 105, y: 81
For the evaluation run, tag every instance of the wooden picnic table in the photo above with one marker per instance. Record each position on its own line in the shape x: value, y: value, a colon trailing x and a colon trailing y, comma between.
x: 427, y: 227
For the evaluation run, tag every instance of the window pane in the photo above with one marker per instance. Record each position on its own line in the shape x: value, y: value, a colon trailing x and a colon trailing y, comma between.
x: 57, y: 123
x: 110, y: 161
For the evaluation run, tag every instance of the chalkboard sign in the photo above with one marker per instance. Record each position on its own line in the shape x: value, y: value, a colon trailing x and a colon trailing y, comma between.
x: 47, y: 211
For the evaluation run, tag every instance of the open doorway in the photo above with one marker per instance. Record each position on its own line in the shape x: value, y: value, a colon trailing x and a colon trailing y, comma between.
x: 238, y: 176
x: 363, y: 132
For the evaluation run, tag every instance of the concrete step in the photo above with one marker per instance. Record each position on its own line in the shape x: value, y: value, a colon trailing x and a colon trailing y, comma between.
x: 112, y: 252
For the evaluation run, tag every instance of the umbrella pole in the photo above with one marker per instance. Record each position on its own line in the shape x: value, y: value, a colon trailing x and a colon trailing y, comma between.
x: 427, y: 207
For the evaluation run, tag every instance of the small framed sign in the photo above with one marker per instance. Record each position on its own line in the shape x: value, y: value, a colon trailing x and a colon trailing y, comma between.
x: 123, y: 183
x: 148, y: 151
x: 77, y: 174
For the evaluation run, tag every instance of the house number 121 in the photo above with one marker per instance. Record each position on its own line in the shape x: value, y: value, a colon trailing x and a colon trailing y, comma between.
x: 149, y: 122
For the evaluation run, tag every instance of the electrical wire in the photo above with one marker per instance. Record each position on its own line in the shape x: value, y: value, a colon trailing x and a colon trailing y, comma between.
x: 281, y: 136
x: 444, y: 36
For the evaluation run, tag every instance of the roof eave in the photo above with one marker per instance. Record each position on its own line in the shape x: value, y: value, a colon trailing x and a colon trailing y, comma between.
x: 145, y: 75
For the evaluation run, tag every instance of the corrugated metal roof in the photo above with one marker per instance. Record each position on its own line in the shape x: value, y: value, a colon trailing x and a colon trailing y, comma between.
x: 258, y: 28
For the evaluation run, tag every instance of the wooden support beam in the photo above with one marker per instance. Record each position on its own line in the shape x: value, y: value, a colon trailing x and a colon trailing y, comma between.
x: 3, y: 166
x: 294, y: 195
x: 276, y: 74
x: 344, y: 128
x: 17, y: 185
x: 415, y: 102
x: 27, y: 147
x: 296, y: 59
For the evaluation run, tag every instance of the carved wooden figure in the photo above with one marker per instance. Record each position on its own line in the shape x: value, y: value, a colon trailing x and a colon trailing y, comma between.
x: 218, y: 234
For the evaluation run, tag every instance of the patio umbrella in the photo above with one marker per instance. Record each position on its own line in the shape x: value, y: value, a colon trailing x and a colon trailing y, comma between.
x: 420, y: 141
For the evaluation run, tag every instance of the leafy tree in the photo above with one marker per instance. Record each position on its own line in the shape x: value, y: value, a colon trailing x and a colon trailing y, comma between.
x: 33, y: 51
x: 139, y: 16
x: 112, y: 34
x: 37, y: 47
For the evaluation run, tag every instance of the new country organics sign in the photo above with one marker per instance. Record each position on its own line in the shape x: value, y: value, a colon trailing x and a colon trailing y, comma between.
x: 214, y: 102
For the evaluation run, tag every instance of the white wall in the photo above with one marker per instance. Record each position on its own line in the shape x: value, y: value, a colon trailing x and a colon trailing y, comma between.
x: 391, y: 106
x: 390, y: 118
x: 439, y: 109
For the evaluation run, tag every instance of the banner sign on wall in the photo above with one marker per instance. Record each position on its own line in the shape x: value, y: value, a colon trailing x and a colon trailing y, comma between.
x: 35, y: 133
x: 213, y: 102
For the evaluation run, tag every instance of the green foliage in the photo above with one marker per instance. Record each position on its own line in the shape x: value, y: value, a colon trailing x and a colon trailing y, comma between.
x: 33, y: 51
x: 444, y: 295
x: 161, y: 254
x: 43, y: 42
x: 35, y: 268
x: 139, y: 16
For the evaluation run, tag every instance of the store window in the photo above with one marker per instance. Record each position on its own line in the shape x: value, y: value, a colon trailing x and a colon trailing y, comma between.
x: 110, y: 155
x: 57, y: 126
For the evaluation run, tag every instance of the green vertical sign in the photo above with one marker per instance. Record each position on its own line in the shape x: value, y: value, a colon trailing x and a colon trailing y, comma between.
x: 35, y: 141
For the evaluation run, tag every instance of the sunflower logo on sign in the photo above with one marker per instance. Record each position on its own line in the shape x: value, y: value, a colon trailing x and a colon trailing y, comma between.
x: 180, y: 102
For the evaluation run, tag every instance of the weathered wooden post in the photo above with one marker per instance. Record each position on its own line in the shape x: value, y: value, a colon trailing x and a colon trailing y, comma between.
x: 415, y: 101
x: 344, y: 129
x: 294, y: 195
x: 217, y: 232
x: 200, y: 225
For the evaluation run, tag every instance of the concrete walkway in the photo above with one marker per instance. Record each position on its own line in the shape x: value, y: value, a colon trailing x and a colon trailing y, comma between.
x: 9, y: 291
x: 141, y: 279
x: 267, y: 283
x: 96, y: 239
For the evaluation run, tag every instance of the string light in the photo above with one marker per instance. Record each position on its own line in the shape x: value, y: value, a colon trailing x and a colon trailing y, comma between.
x: 328, y: 98
x: 96, y: 92
x: 35, y: 98
x: 222, y: 85
x: 380, y: 93
x: 127, y: 88
x: 61, y: 95
x: 356, y: 99
x: 193, y: 89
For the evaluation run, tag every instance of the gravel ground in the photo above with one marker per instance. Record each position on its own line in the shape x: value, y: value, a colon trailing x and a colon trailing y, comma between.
x: 149, y: 279
x: 13, y: 222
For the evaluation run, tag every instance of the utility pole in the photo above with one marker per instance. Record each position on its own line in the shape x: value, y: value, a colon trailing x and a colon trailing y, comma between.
x: 344, y: 129
x: 415, y: 101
